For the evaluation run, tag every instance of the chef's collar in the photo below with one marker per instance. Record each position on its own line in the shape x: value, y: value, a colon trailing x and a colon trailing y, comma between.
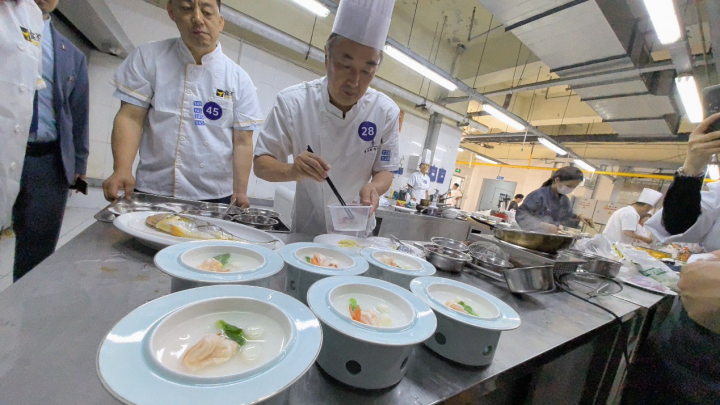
x: 188, y: 57
x: 329, y: 107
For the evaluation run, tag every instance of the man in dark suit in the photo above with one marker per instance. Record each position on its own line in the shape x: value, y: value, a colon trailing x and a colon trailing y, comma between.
x: 57, y: 149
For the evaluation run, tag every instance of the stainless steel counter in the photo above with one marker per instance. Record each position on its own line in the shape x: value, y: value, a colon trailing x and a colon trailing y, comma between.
x: 416, y: 226
x: 53, y: 320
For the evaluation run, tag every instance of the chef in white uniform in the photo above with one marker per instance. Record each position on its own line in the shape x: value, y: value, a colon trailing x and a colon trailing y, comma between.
x: 623, y: 224
x: 21, y: 27
x: 201, y: 109
x: 352, y: 129
x: 420, y: 182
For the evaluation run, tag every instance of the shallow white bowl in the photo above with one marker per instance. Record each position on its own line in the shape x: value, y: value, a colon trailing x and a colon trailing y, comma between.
x: 460, y: 337
x: 360, y: 355
x: 412, y: 267
x: 179, y: 262
x: 301, y: 274
x: 128, y: 368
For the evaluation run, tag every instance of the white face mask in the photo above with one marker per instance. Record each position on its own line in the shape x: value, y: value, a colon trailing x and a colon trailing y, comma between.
x: 563, y: 189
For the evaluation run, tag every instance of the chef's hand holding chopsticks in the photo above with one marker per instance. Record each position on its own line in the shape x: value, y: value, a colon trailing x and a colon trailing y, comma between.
x: 702, y: 146
x: 310, y: 165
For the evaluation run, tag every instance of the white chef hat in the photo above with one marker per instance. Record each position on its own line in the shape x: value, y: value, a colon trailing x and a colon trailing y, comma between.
x: 364, y: 21
x: 650, y: 196
x: 426, y: 156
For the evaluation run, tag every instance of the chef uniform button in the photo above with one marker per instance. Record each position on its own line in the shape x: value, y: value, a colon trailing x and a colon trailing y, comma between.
x: 216, y: 75
x: 21, y: 46
x: 188, y: 92
x: 17, y: 129
x: 187, y: 114
x: 182, y: 138
x: 202, y: 164
x: 206, y: 143
x: 179, y: 119
x: 13, y: 165
x: 22, y: 88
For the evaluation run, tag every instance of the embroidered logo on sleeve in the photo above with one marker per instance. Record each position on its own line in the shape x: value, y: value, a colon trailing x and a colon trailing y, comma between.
x: 224, y: 93
x: 32, y: 37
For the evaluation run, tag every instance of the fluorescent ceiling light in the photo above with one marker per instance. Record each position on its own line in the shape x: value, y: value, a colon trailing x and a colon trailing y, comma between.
x: 548, y: 144
x: 713, y: 170
x: 418, y: 67
x: 664, y: 19
x: 690, y: 98
x: 314, y: 6
x: 503, y: 117
x: 584, y: 165
x: 483, y: 158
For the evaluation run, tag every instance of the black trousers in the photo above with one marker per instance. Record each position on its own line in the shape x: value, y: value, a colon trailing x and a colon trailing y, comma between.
x: 39, y: 209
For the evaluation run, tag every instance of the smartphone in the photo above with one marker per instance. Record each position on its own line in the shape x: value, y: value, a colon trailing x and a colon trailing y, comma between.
x: 80, y: 185
x: 711, y: 105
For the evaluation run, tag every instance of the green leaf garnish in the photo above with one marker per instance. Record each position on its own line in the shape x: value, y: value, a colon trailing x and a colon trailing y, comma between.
x: 353, y: 304
x: 231, y: 331
x: 307, y: 259
x: 468, y: 309
x: 223, y: 259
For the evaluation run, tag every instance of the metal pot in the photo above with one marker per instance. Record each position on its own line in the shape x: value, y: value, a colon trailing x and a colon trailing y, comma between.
x: 262, y: 212
x: 492, y: 263
x: 597, y: 264
x: 541, y: 242
x: 451, y: 243
x: 530, y: 279
x: 446, y: 259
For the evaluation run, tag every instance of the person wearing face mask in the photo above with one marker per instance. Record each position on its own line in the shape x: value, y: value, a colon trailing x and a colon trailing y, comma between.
x: 351, y: 129
x: 623, y: 224
x: 548, y: 207
x: 420, y: 183
x: 189, y: 110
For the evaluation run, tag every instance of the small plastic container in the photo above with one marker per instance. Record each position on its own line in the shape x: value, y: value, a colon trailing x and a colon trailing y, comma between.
x: 350, y: 217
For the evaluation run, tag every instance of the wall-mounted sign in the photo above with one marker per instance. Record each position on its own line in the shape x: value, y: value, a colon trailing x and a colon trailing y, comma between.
x: 457, y: 170
x: 441, y: 176
x: 433, y: 173
x: 500, y: 178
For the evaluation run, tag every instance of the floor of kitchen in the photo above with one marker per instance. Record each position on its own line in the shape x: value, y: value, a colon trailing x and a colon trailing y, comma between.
x: 78, y: 216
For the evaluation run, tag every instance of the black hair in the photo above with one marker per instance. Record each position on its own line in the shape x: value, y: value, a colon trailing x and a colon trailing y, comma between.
x: 219, y: 3
x: 641, y: 204
x: 566, y: 173
x: 456, y: 184
x: 519, y: 196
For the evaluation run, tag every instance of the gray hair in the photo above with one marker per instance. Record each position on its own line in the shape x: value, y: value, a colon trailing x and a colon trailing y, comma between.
x: 335, y: 39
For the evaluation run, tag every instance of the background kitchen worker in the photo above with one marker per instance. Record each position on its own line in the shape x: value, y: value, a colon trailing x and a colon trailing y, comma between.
x: 515, y: 203
x: 454, y: 195
x: 190, y: 111
x: 21, y: 28
x: 623, y: 224
x: 690, y: 214
x: 57, y: 150
x: 352, y: 129
x: 420, y: 183
x: 549, y: 206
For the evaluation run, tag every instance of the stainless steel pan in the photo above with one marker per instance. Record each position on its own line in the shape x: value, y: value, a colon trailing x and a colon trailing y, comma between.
x: 541, y: 242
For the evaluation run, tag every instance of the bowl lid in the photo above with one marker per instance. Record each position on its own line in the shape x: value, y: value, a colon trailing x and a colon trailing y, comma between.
x: 169, y: 261
x: 126, y: 372
x: 507, y: 320
x: 426, y: 269
x: 417, y: 331
x: 288, y: 254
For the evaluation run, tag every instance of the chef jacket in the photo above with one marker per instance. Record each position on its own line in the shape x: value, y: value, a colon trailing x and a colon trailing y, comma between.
x: 624, y: 219
x: 21, y: 27
x: 454, y: 194
x: 544, y: 206
x: 364, y: 142
x: 420, y: 183
x: 706, y: 229
x: 187, y: 142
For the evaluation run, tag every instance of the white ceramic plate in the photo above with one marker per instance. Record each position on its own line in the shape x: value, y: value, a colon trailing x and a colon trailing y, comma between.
x: 333, y: 239
x: 127, y: 367
x: 133, y: 224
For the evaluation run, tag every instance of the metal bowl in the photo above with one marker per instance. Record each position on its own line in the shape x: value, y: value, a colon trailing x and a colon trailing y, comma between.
x: 261, y: 212
x: 450, y: 243
x: 208, y: 214
x: 597, y: 264
x: 530, y: 279
x: 492, y: 263
x: 221, y: 209
x: 541, y: 242
x: 256, y: 221
x: 445, y: 258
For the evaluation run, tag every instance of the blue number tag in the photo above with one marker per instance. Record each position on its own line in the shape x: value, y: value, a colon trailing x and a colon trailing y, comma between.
x: 367, y: 131
x: 212, y: 111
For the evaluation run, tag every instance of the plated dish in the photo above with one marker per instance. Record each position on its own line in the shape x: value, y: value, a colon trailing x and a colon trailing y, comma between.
x: 135, y: 224
x: 158, y: 352
x: 395, y: 267
x: 351, y: 243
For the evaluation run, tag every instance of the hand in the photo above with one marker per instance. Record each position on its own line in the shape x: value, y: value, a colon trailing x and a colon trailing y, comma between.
x: 310, y: 165
x: 241, y: 200
x: 81, y: 177
x: 587, y: 220
x: 701, y: 146
x: 118, y: 180
x: 369, y: 196
x: 646, y: 240
x: 550, y: 228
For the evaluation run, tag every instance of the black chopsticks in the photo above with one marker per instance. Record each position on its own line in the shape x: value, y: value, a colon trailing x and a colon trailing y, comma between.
x: 335, y: 191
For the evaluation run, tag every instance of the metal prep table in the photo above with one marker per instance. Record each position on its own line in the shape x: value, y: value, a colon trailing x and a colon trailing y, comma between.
x: 53, y: 320
x: 416, y: 226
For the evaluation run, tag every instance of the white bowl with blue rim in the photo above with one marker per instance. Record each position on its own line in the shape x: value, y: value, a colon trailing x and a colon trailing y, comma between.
x: 301, y: 274
x: 365, y: 355
x: 465, y: 338
x: 248, y: 264
x: 408, y: 266
x: 142, y: 359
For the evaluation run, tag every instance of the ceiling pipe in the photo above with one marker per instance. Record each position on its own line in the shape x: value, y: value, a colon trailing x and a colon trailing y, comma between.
x: 259, y: 28
x: 515, y: 138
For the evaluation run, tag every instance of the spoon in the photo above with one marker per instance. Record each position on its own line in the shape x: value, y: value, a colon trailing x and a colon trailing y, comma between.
x: 403, y: 247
